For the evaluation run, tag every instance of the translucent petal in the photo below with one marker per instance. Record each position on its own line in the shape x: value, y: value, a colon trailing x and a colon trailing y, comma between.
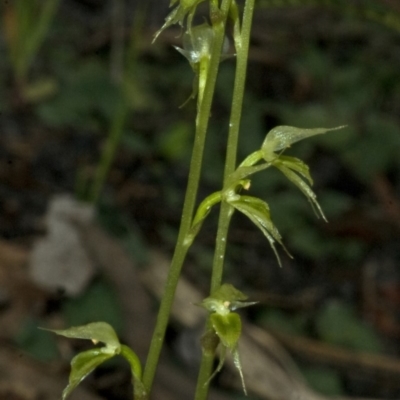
x: 258, y: 212
x: 178, y: 14
x: 304, y: 188
x: 82, y: 365
x: 296, y: 165
x: 238, y: 365
x: 228, y: 292
x: 229, y: 328
x: 282, y: 137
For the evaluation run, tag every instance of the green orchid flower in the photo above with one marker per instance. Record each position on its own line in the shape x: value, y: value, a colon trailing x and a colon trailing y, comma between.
x: 87, y: 361
x: 196, y: 49
x: 276, y: 142
x: 226, y: 324
x: 258, y: 211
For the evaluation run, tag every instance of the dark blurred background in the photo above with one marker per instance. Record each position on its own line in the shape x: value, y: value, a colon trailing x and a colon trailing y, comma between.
x: 75, y: 73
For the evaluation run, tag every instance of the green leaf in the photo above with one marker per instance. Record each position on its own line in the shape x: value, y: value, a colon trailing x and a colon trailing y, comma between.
x: 82, y: 365
x: 96, y: 332
x: 282, y: 137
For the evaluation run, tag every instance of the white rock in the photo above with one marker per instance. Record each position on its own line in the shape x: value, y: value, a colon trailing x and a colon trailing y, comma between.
x: 60, y: 260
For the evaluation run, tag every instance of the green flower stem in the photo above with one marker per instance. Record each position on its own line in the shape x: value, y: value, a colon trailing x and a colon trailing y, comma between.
x: 133, y: 360
x: 139, y: 392
x: 230, y: 164
x: 189, y: 203
x: 242, y: 50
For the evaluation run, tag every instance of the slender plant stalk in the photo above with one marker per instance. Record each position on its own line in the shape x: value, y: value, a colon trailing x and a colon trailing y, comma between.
x: 121, y: 112
x: 108, y: 155
x: 30, y: 34
x: 189, y: 203
x: 242, y: 49
x: 117, y: 41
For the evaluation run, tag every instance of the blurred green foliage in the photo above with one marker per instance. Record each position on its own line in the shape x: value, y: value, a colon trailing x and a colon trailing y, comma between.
x: 26, y: 24
x: 86, y: 97
x: 38, y: 343
x: 324, y: 380
x: 337, y: 323
x: 98, y: 303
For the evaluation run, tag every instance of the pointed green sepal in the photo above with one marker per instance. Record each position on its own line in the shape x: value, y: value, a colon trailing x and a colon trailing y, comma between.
x: 96, y: 332
x: 258, y: 212
x: 225, y: 299
x: 238, y: 365
x: 252, y: 159
x: 197, y: 44
x: 294, y: 169
x: 82, y: 365
x: 296, y: 165
x: 201, y: 214
x: 282, y: 137
x: 228, y: 292
x: 178, y: 14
